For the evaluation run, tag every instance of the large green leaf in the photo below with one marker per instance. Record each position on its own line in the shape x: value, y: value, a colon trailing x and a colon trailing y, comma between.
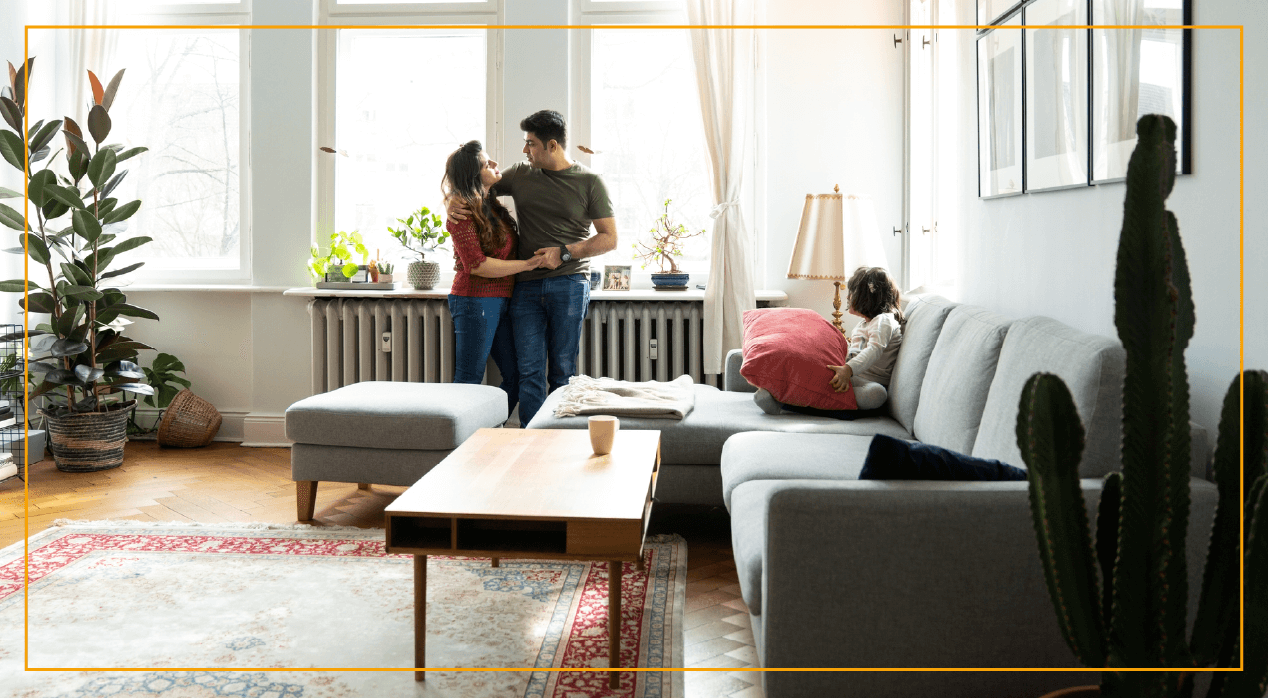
x: 68, y: 196
x: 20, y: 79
x: 53, y: 209
x: 65, y: 347
x: 86, y: 225
x: 98, y: 123
x: 36, y: 248
x: 110, y: 186
x: 12, y: 113
x: 77, y: 165
x: 11, y: 218
x: 88, y: 374
x: 38, y: 303
x: 131, y: 244
x: 123, y: 212
x: 15, y: 286
x: 11, y: 148
x: 7, y: 193
x: 37, y: 155
x: 139, y: 388
x: 108, y: 97
x: 130, y: 153
x: 38, y: 185
x: 101, y: 167
x: 125, y: 369
x: 129, y: 310
x: 45, y: 134
x: 122, y: 271
x: 75, y: 141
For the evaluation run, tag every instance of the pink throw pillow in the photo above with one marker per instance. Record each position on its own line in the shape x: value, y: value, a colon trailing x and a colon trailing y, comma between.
x: 788, y: 350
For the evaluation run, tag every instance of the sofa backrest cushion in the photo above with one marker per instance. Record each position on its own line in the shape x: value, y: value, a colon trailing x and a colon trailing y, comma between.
x: 1092, y: 368
x: 959, y: 376
x: 924, y: 318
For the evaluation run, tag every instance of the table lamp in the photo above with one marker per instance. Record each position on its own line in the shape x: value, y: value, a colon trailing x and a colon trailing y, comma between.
x: 838, y: 234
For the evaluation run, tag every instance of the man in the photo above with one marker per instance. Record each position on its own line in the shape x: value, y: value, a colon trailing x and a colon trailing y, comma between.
x: 556, y: 201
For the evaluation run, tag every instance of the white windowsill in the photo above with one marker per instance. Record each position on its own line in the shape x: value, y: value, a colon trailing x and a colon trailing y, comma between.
x: 225, y: 288
x: 647, y: 294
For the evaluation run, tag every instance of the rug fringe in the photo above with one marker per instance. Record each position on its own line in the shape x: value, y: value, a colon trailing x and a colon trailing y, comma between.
x: 242, y: 526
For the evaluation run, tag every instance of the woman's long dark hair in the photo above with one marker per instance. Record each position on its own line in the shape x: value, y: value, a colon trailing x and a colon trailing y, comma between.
x: 493, y: 223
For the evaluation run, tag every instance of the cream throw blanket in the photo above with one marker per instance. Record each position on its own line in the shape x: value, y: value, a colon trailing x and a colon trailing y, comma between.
x: 653, y: 399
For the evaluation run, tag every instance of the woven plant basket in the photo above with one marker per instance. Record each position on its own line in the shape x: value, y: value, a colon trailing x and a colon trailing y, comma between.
x: 89, y: 441
x: 189, y: 422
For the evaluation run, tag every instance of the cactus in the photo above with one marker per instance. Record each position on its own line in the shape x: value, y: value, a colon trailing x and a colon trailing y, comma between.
x: 1134, y: 614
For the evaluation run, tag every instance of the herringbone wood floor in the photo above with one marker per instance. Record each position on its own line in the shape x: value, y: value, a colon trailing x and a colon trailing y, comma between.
x: 225, y: 482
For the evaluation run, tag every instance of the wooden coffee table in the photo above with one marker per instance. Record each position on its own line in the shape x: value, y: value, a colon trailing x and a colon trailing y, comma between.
x: 530, y: 493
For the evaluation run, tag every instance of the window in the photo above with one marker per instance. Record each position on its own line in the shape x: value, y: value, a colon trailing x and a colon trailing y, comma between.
x: 645, y: 124
x: 405, y: 100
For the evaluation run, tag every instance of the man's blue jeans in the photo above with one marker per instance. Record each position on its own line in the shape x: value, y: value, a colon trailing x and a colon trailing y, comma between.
x: 482, y: 328
x: 547, y: 315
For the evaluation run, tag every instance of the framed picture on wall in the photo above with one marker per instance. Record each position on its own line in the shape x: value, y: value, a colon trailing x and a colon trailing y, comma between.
x: 1056, y: 94
x: 1137, y: 72
x: 999, y: 111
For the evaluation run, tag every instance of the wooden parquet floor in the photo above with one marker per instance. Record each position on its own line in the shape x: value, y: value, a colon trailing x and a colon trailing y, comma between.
x: 226, y: 482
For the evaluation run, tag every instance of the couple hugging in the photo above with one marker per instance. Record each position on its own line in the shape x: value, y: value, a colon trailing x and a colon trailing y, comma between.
x: 520, y: 290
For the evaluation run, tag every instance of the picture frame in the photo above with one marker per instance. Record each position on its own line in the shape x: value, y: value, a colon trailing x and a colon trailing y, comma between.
x: 1136, y: 72
x: 999, y: 110
x: 616, y: 277
x: 1056, y: 89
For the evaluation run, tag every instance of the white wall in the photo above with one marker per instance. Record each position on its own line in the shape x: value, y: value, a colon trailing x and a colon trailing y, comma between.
x: 834, y: 114
x: 1054, y: 253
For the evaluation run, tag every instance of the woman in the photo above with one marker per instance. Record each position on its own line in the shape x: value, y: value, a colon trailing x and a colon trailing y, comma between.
x: 484, y: 269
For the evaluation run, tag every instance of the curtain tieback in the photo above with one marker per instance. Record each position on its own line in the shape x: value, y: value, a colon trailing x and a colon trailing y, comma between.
x: 722, y: 207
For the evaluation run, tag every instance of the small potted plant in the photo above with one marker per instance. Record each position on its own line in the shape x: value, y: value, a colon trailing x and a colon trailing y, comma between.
x: 666, y: 243
x: 385, y: 272
x: 335, y: 263
x: 422, y: 232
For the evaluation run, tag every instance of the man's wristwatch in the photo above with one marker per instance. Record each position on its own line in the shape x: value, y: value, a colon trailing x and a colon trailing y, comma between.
x: 564, y: 255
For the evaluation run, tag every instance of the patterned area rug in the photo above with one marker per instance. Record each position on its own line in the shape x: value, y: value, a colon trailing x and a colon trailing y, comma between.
x: 202, y: 609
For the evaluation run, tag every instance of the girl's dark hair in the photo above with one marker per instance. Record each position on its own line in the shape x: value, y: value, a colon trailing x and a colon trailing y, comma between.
x: 493, y: 223
x: 872, y: 291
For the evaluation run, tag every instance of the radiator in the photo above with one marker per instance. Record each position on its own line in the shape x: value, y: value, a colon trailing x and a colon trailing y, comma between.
x: 365, y: 339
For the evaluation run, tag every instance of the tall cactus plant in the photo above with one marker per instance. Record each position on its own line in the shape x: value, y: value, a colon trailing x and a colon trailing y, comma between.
x: 1133, y: 613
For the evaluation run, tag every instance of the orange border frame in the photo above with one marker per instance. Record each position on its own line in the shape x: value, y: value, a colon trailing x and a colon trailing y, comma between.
x: 1242, y: 84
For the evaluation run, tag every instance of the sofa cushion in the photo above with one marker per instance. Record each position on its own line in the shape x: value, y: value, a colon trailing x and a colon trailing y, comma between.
x: 396, y: 415
x: 925, y: 316
x: 958, y: 378
x: 766, y: 456
x: 787, y: 351
x: 894, y: 459
x: 698, y: 438
x: 1092, y: 368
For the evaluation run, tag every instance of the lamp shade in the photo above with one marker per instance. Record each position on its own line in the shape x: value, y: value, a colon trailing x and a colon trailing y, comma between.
x: 838, y: 234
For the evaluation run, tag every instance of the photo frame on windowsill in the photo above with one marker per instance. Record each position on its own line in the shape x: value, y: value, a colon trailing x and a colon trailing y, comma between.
x: 616, y: 277
x: 1137, y: 72
x: 999, y: 110
x: 1056, y: 107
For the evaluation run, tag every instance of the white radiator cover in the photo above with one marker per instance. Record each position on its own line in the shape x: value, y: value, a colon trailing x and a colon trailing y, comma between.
x: 363, y: 339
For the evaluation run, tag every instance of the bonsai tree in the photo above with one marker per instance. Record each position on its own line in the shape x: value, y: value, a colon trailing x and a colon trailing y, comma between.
x: 1133, y: 614
x: 421, y: 232
x: 73, y: 240
x: 666, y: 243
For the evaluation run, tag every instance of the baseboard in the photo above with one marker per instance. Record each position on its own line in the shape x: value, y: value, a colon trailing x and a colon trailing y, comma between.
x: 265, y: 429
x: 231, y: 424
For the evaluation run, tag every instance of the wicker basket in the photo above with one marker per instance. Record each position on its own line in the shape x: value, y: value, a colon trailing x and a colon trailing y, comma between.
x: 86, y: 442
x: 189, y: 422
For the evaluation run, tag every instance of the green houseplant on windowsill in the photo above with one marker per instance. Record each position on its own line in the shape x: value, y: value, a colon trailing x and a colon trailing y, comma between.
x: 666, y: 243
x: 420, y: 233
x: 89, y: 368
x: 334, y: 263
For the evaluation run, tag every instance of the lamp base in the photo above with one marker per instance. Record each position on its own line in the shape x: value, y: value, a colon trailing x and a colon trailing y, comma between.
x: 836, y: 308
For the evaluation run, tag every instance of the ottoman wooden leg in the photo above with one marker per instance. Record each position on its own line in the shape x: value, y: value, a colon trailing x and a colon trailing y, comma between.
x: 363, y: 485
x: 305, y: 499
x: 496, y: 562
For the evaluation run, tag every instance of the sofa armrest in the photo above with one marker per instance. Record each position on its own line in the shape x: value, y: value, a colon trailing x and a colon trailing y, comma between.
x: 917, y: 574
x: 731, y: 378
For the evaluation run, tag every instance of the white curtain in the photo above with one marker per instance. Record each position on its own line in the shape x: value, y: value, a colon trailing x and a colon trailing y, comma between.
x: 82, y: 50
x: 1123, y: 85
x: 724, y: 75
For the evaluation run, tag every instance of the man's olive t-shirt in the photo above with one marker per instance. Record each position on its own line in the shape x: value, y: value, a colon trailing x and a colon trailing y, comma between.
x: 553, y: 208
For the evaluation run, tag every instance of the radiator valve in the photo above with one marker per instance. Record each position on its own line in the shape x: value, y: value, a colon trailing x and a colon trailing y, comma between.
x: 385, y: 343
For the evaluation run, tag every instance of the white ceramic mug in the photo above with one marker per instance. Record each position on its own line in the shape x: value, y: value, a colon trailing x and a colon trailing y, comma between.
x: 603, y: 430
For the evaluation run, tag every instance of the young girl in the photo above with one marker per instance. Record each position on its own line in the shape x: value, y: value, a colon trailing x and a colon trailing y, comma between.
x: 873, y: 296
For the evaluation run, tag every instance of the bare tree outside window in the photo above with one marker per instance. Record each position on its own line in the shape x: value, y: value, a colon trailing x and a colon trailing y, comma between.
x: 184, y: 105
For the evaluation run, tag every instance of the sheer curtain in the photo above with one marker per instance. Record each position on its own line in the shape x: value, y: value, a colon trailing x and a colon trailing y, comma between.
x: 724, y: 75
x: 82, y: 50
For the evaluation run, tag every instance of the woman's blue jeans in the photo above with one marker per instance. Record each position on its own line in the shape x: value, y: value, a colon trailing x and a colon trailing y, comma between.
x: 482, y: 328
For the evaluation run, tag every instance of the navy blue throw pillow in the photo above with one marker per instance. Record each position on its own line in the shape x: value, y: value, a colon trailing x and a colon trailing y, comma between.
x: 894, y: 459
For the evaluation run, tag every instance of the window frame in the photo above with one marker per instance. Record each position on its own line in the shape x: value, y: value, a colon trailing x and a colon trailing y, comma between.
x: 229, y: 15
x: 335, y: 17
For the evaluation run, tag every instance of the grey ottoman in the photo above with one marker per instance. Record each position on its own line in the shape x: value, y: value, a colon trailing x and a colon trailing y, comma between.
x: 383, y: 432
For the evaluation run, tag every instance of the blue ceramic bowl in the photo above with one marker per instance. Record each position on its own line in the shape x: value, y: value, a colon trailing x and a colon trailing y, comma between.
x: 670, y: 280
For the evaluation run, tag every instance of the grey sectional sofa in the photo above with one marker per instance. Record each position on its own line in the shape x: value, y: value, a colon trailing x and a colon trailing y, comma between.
x: 838, y: 572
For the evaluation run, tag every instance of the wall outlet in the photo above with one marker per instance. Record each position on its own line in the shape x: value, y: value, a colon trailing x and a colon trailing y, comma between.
x: 385, y: 343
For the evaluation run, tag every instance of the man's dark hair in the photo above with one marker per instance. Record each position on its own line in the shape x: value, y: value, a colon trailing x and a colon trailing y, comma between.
x: 548, y: 125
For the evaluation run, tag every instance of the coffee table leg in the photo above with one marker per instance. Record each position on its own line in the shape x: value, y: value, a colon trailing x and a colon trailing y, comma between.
x: 420, y: 616
x: 614, y: 622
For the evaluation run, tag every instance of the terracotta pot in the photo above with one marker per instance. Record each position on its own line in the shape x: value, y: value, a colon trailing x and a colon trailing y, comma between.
x: 1075, y: 692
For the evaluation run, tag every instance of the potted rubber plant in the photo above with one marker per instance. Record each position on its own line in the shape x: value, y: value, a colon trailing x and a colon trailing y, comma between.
x: 421, y: 232
x: 88, y: 366
x: 666, y: 243
x: 1133, y: 614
